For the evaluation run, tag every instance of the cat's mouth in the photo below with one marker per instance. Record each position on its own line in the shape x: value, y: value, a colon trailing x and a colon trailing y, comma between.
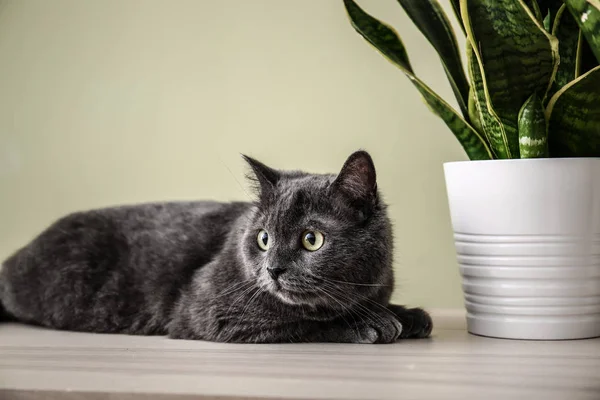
x: 293, y: 294
x: 283, y: 287
x: 293, y: 291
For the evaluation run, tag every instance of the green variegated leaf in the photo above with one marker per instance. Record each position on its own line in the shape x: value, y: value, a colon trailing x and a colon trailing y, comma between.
x: 587, y: 15
x: 547, y: 22
x: 534, y: 6
x: 567, y: 31
x: 518, y: 57
x: 474, y: 112
x: 573, y: 114
x: 381, y: 36
x: 550, y: 8
x: 386, y: 41
x: 533, y: 132
x: 429, y: 17
x: 490, y: 124
x: 586, y: 60
x: 456, y: 9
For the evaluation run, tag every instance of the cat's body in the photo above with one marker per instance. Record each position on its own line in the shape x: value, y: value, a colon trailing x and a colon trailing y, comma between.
x: 116, y: 269
x: 202, y: 270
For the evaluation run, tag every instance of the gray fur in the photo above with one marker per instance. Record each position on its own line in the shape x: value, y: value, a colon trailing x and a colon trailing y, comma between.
x: 194, y: 270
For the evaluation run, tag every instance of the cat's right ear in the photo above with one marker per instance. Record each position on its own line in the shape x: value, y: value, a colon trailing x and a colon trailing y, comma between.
x: 267, y: 177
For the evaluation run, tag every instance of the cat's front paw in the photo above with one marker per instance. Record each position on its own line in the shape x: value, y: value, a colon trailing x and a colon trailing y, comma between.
x: 416, y: 322
x: 381, y: 328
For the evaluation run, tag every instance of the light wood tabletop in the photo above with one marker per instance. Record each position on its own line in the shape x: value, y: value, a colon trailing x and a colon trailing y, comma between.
x: 37, y: 363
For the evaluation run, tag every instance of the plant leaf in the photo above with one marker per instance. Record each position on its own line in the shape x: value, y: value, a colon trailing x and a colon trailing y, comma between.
x: 547, y: 21
x: 456, y: 8
x: 430, y: 19
x: 387, y: 42
x: 533, y: 129
x: 586, y: 61
x: 550, y: 7
x: 490, y: 124
x: 534, y: 6
x: 567, y: 31
x: 573, y: 115
x: 517, y: 57
x: 474, y: 111
x: 587, y: 15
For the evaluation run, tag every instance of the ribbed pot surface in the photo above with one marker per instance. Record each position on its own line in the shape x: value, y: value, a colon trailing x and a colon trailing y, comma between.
x: 527, y: 237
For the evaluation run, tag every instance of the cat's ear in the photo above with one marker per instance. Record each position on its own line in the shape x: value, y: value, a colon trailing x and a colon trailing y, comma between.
x: 357, y: 180
x: 267, y: 177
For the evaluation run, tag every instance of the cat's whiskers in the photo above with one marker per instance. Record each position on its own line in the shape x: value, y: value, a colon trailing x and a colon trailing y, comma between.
x: 370, y: 314
x: 246, y: 291
x: 252, y: 298
x: 330, y: 280
x: 344, y: 308
x: 332, y: 284
x: 234, y: 288
x: 360, y: 313
x: 379, y: 305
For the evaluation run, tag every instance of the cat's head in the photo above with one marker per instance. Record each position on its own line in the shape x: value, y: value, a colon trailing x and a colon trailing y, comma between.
x: 320, y: 239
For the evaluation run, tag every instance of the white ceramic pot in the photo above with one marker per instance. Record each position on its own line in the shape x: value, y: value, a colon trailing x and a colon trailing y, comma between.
x: 527, y: 237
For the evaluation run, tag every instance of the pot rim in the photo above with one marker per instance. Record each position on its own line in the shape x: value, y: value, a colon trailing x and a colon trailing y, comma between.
x: 524, y: 160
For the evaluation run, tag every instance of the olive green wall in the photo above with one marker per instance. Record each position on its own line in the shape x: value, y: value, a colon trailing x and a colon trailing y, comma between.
x: 121, y: 101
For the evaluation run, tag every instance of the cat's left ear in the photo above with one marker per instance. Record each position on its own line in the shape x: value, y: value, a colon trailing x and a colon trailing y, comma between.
x: 357, y: 180
x: 267, y: 177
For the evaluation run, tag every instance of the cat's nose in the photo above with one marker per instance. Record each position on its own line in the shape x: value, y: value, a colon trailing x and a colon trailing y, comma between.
x: 276, y: 271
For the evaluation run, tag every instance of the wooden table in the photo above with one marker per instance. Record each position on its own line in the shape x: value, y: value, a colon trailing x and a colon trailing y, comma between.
x: 37, y: 363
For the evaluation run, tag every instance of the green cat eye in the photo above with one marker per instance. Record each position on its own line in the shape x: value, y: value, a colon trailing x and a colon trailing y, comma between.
x: 312, y: 240
x: 263, y: 240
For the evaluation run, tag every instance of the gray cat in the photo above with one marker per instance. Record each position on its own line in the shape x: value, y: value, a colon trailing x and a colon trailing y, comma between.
x: 309, y: 261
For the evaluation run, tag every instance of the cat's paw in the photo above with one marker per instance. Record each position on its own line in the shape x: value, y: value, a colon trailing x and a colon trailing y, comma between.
x: 416, y: 322
x: 382, y: 328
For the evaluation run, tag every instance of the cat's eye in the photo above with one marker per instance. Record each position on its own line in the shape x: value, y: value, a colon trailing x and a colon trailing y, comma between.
x: 312, y: 240
x: 263, y: 240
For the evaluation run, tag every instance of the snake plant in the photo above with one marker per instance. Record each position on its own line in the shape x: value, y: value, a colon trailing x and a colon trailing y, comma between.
x: 533, y: 86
